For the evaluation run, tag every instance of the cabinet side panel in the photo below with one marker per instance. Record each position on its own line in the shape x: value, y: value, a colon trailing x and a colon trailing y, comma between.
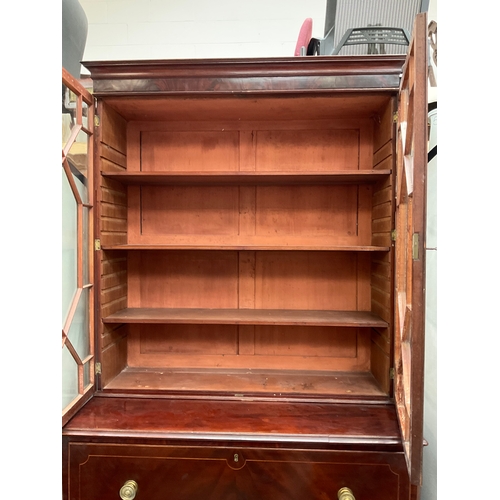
x: 114, y: 129
x: 112, y: 225
x: 113, y: 298
x: 113, y: 195
x: 382, y: 264
x: 380, y: 358
x: 384, y: 129
x: 114, y: 353
x: 113, y: 207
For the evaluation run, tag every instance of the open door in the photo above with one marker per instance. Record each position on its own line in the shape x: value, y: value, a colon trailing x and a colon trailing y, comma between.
x: 410, y: 248
x: 78, y: 370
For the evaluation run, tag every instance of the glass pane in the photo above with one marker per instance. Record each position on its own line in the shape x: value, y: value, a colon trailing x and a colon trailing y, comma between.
x: 86, y: 374
x: 78, y: 162
x: 69, y: 247
x: 85, y: 239
x: 69, y: 378
x: 85, y: 115
x: 79, y: 330
x: 68, y: 113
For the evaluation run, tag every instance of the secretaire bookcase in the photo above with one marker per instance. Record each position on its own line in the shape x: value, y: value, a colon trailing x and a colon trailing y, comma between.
x: 259, y: 280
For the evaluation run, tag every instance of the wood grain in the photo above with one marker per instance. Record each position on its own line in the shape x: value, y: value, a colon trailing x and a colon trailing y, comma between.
x: 364, y: 319
x: 253, y: 382
x: 249, y: 243
x: 112, y: 229
x: 189, y: 150
x: 240, y: 419
x: 178, y: 109
x: 219, y: 472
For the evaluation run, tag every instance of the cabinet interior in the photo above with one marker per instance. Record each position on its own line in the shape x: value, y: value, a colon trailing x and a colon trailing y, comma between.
x: 246, y: 244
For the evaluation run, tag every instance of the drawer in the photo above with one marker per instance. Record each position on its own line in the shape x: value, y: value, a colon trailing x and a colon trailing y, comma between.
x: 98, y: 471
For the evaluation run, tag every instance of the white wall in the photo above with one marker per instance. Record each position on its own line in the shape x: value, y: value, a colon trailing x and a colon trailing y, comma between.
x: 166, y: 29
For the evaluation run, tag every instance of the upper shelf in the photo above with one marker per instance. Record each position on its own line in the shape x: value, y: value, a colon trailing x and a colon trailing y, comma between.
x: 236, y: 245
x: 247, y: 317
x: 195, y: 178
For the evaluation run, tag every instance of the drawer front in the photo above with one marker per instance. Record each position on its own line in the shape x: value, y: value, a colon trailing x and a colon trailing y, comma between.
x: 98, y: 471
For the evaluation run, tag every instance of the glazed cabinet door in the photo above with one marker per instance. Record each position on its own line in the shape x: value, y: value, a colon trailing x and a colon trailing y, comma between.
x: 77, y: 246
x: 410, y: 248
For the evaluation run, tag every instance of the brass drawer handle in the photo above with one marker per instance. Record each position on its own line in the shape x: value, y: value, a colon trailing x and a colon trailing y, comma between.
x: 345, y: 494
x: 128, y: 490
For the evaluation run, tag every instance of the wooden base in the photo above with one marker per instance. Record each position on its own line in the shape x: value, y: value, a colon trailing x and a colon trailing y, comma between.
x: 223, y: 449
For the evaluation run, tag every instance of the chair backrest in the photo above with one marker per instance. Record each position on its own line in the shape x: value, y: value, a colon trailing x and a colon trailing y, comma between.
x: 342, y: 15
x: 304, y: 37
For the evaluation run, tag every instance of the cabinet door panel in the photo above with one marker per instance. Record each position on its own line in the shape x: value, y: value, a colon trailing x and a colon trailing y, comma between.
x: 410, y: 245
x: 78, y: 382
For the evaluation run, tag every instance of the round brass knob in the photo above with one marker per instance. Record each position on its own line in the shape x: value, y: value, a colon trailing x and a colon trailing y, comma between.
x: 128, y: 490
x: 345, y: 494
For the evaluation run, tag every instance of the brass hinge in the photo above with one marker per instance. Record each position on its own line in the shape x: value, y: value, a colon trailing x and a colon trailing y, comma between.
x: 392, y: 373
x: 98, y: 368
x: 393, y: 235
x: 97, y: 121
x: 395, y: 117
x: 97, y: 244
x: 415, y: 246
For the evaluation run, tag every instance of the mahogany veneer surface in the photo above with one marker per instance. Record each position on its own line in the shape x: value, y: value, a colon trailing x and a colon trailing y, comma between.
x: 238, y: 472
x: 236, y: 420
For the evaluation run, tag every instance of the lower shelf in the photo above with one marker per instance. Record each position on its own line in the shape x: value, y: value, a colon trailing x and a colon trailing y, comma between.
x: 270, y: 383
x: 160, y: 315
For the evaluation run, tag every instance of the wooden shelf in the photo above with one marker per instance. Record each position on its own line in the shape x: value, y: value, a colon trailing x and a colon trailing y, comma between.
x: 246, y: 317
x: 248, y: 178
x: 234, y: 244
x: 248, y: 382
